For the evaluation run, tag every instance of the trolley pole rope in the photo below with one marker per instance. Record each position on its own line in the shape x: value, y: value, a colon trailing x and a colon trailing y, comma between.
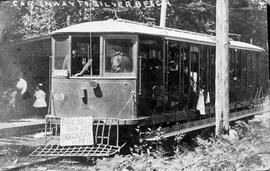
x: 132, y: 96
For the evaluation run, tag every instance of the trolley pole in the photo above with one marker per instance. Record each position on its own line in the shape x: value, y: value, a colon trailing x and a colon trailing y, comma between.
x: 163, y: 13
x: 222, y: 67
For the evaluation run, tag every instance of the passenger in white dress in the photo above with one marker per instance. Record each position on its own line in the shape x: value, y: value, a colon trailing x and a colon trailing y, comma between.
x: 40, y: 103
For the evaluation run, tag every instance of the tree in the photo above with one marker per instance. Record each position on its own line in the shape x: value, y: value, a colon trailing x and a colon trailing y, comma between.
x: 247, y: 17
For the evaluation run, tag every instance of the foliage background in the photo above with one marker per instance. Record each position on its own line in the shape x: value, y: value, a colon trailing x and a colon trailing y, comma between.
x: 248, y: 21
x: 248, y: 18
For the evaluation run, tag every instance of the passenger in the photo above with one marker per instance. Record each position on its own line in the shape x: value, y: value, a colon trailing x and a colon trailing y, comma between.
x: 188, y: 81
x: 159, y: 99
x: 173, y: 66
x: 173, y: 89
x: 155, y: 64
x: 156, y: 71
x: 173, y: 74
x: 86, y: 66
x: 201, y: 103
x: 120, y: 62
x: 40, y: 103
x: 190, y: 96
x: 67, y: 61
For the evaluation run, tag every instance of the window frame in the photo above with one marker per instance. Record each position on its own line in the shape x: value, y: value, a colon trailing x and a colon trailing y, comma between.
x: 100, y: 58
x: 60, y: 72
x: 134, y: 38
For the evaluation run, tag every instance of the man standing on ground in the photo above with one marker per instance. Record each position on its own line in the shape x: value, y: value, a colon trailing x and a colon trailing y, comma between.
x: 22, y: 86
x: 23, y: 94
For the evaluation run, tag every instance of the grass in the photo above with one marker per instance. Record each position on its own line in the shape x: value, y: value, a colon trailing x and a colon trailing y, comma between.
x: 224, y: 153
x: 14, y: 154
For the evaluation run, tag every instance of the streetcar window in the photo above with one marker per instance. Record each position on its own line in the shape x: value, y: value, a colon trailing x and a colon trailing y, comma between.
x: 232, y: 73
x: 61, y: 53
x: 253, y: 68
x: 257, y: 68
x: 234, y: 68
x: 85, y: 56
x: 194, y: 65
x: 118, y: 55
x: 249, y: 69
x: 204, y: 57
x: 212, y: 69
x: 238, y: 68
x: 244, y: 68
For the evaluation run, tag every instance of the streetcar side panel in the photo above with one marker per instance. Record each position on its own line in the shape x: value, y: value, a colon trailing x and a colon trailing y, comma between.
x: 111, y: 98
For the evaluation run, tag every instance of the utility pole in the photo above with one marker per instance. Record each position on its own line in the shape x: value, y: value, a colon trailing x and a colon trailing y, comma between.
x: 163, y: 13
x: 222, y: 67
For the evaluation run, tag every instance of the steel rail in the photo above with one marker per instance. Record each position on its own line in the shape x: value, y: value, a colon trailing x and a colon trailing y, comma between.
x: 20, y: 166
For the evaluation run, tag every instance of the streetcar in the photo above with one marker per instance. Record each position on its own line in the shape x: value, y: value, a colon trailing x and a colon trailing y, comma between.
x: 127, y: 75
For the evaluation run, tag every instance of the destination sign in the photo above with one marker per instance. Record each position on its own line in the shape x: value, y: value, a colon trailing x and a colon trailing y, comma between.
x: 92, y: 3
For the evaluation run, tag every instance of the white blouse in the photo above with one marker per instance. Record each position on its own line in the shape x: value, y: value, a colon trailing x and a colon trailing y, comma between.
x: 22, y: 85
x: 40, y: 99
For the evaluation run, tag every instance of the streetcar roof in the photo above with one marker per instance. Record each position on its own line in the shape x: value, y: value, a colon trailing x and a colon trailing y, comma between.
x: 125, y: 26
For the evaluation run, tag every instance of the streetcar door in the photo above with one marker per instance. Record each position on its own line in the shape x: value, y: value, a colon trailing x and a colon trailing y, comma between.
x: 151, y: 88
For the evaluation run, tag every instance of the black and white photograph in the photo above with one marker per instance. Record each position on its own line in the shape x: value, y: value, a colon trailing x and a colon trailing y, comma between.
x: 134, y: 85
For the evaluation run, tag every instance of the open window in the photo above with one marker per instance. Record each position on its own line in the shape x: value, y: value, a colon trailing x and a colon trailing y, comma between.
x: 61, y: 55
x: 76, y: 55
x: 194, y: 66
x: 85, y: 56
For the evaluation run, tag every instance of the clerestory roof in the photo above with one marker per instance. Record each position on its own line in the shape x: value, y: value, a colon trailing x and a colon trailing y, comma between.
x: 130, y: 27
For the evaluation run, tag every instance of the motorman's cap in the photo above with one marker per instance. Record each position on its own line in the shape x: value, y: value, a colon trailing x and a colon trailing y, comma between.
x: 117, y: 53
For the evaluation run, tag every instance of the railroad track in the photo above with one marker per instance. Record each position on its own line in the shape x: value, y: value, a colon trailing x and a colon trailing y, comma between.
x: 17, y: 140
x: 15, y: 150
x: 19, y: 131
x: 26, y: 140
x: 24, y: 165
